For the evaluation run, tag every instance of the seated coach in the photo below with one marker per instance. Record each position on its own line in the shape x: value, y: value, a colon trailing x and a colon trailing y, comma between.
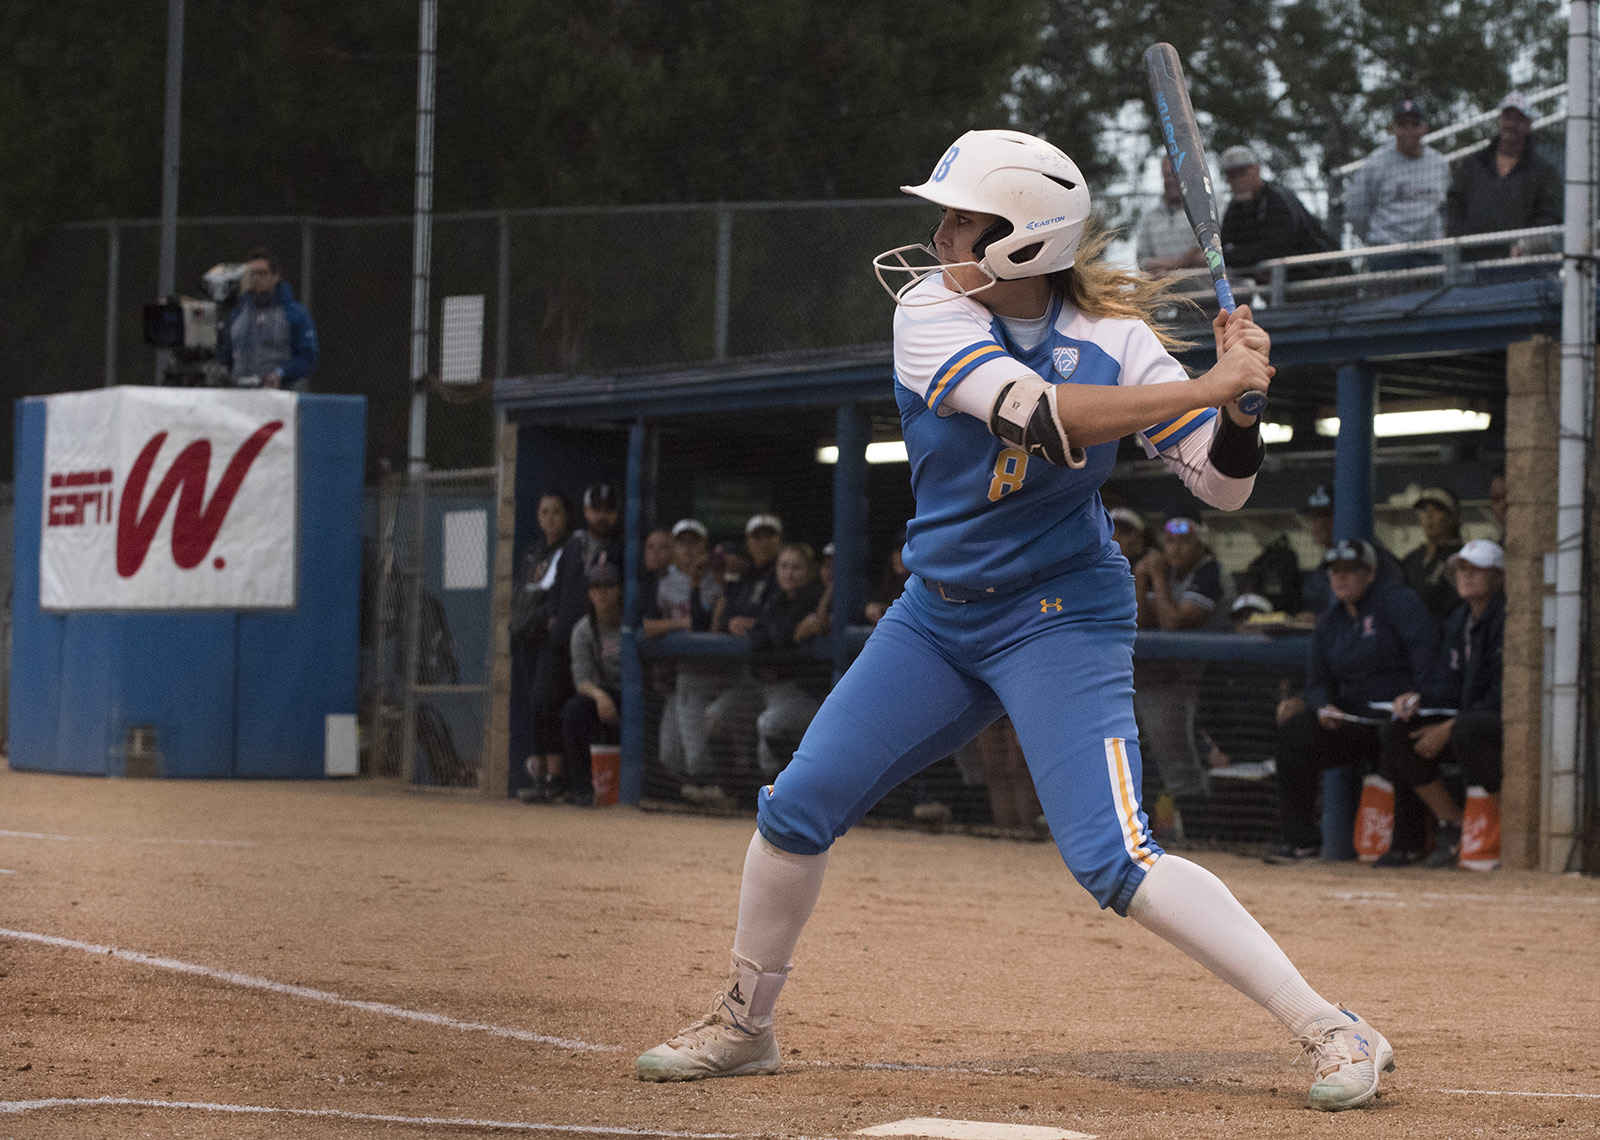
x: 1375, y: 643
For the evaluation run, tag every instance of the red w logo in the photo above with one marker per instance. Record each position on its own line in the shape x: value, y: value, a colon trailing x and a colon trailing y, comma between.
x: 195, y: 523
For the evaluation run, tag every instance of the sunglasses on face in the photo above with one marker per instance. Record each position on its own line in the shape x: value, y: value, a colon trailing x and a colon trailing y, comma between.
x: 1180, y: 526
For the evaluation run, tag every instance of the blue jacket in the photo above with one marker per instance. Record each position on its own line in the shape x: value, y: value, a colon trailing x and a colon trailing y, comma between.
x: 1388, y: 648
x: 276, y: 336
x: 1471, y: 661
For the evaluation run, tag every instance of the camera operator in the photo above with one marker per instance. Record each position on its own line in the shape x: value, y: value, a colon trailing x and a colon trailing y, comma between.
x: 271, y: 342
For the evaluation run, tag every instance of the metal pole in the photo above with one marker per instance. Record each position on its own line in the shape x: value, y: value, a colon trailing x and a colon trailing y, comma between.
x: 719, y: 331
x: 422, y: 237
x: 167, y: 267
x: 1352, y: 464
x: 417, y: 483
x: 1564, y: 758
x: 852, y: 433
x: 502, y: 320
x: 633, y: 688
x: 113, y: 272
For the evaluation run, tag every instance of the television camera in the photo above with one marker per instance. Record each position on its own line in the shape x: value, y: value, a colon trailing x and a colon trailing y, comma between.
x: 190, y: 329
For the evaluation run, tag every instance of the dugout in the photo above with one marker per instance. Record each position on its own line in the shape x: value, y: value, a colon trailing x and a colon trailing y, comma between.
x: 765, y: 417
x: 229, y: 646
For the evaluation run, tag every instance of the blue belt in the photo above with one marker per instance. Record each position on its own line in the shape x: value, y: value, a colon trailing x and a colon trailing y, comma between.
x: 960, y: 595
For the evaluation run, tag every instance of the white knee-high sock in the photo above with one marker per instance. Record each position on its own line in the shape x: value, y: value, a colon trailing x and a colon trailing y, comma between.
x: 775, y: 899
x: 1192, y: 909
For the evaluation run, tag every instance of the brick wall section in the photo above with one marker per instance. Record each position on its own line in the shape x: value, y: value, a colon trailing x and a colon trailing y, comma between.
x: 1533, y: 385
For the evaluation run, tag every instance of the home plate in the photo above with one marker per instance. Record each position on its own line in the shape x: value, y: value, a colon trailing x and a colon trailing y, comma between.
x: 970, y: 1130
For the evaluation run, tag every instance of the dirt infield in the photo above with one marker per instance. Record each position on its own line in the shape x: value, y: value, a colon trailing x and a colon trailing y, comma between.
x: 516, y: 958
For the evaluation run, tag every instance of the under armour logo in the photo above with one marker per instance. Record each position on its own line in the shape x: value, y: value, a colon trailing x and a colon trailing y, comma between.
x: 735, y: 995
x: 1046, y: 605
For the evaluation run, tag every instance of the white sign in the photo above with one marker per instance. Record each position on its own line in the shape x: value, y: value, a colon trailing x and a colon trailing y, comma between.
x: 169, y: 498
x: 466, y: 550
x: 461, y: 340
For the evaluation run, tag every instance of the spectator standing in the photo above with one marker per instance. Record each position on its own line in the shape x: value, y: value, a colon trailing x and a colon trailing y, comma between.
x: 591, y: 715
x: 1179, y: 587
x: 1165, y: 240
x: 535, y: 605
x: 770, y: 706
x: 271, y: 341
x: 1398, y: 193
x: 596, y: 543
x: 1266, y: 220
x: 1373, y: 644
x: 1468, y: 680
x: 1505, y: 186
x: 1498, y: 501
x: 685, y: 598
x: 1427, y: 567
x: 743, y: 597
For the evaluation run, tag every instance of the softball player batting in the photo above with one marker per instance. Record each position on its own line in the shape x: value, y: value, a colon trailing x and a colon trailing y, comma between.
x: 1017, y: 370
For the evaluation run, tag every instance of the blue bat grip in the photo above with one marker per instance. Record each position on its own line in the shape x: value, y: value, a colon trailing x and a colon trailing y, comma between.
x: 1251, y: 403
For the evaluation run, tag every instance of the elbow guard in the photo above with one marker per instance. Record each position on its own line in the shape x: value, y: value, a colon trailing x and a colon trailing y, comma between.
x: 1024, y: 415
x: 1236, y: 451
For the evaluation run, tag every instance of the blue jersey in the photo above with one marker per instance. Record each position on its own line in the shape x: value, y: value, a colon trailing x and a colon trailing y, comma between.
x: 988, y: 513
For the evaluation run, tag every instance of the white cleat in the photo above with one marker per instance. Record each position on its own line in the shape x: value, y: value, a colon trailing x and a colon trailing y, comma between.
x: 718, y: 1045
x: 1346, y: 1058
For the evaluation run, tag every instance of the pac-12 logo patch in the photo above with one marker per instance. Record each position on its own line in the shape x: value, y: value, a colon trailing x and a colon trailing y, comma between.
x: 1066, y: 360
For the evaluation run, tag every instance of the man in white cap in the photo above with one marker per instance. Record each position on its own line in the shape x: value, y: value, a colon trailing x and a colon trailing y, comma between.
x: 1265, y: 220
x: 1467, y: 681
x: 1505, y: 186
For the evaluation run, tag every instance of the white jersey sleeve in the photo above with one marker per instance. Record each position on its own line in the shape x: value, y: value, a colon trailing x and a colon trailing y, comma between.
x: 948, y: 354
x: 1183, y: 442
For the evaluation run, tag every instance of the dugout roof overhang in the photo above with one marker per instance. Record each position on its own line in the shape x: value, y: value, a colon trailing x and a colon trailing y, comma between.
x: 1435, y: 343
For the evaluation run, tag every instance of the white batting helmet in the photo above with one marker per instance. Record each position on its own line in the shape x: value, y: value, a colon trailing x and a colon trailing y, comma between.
x: 1035, y: 190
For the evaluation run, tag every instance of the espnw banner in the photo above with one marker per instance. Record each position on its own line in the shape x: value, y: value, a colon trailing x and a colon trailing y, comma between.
x: 169, y: 498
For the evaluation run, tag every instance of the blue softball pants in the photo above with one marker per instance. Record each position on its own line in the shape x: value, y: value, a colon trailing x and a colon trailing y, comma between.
x: 1056, y: 656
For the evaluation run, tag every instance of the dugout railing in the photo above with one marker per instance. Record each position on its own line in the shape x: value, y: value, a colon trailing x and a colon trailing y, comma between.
x: 1238, y: 682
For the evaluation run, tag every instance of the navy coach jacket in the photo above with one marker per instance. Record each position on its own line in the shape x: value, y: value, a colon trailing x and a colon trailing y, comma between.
x: 1389, y: 647
x: 1471, y: 661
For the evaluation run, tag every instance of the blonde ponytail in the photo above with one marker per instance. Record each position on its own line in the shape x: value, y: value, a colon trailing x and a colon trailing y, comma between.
x: 1097, y: 288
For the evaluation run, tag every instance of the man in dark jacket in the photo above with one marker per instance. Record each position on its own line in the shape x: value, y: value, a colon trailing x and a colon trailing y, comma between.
x: 1466, y: 680
x: 1375, y: 643
x: 271, y: 341
x: 1265, y: 220
x: 1505, y: 186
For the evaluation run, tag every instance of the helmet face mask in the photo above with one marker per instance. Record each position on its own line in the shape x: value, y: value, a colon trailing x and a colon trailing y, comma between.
x: 1033, y: 188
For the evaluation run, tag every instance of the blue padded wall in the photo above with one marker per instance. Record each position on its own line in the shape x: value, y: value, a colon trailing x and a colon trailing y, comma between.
x: 230, y: 693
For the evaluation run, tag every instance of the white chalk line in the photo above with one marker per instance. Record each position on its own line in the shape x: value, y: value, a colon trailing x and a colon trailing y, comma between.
x: 120, y: 839
x: 1495, y: 1092
x: 21, y: 1106
x: 250, y: 981
x: 1428, y: 897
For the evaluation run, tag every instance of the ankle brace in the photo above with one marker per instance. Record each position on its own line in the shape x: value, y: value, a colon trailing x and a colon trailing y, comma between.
x: 752, y: 993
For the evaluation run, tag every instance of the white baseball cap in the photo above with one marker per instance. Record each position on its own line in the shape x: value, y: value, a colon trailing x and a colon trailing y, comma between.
x: 1482, y: 553
x: 757, y: 522
x: 1255, y: 603
x: 685, y: 526
x: 1126, y: 516
x: 1236, y: 156
x: 1516, y: 101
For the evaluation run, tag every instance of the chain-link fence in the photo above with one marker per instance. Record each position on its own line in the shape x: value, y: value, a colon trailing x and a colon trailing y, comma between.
x: 719, y: 727
x: 425, y: 693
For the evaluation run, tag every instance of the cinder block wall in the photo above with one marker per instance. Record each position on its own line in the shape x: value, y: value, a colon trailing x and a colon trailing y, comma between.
x: 1533, y: 385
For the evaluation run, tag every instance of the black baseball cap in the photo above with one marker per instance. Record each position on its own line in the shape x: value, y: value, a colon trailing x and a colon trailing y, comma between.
x: 1352, y: 550
x: 600, y: 495
x: 1410, y: 107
